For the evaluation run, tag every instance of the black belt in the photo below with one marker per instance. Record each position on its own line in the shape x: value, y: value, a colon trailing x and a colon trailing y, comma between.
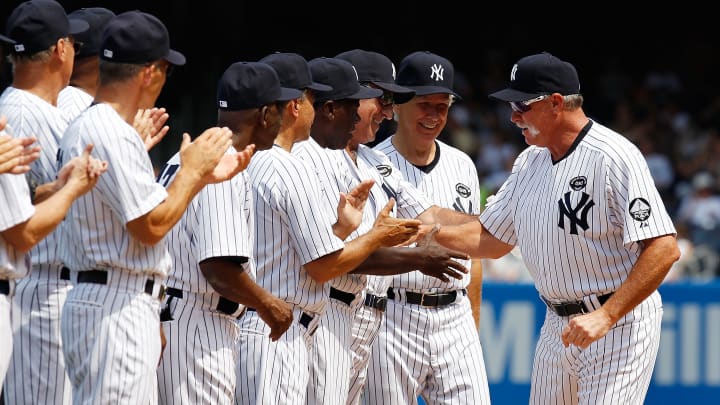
x: 371, y: 300
x: 4, y: 287
x: 305, y: 318
x: 64, y: 273
x: 573, y: 307
x: 224, y: 305
x: 101, y: 277
x: 429, y: 299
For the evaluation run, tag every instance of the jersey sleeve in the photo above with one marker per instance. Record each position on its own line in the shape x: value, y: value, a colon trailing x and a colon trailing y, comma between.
x: 635, y: 200
x: 497, y: 217
x: 15, y: 200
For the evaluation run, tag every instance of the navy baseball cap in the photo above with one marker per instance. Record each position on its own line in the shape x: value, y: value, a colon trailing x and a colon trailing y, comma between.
x: 378, y: 69
x: 247, y: 85
x: 427, y: 73
x: 36, y: 24
x: 136, y: 37
x: 293, y: 70
x: 97, y: 18
x: 537, y: 75
x: 342, y: 77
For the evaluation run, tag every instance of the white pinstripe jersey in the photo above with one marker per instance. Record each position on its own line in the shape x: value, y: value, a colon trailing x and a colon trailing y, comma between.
x: 218, y: 222
x: 578, y: 221
x: 30, y: 115
x: 371, y: 164
x: 450, y: 181
x: 293, y: 226
x: 17, y: 208
x: 72, y: 101
x: 94, y: 228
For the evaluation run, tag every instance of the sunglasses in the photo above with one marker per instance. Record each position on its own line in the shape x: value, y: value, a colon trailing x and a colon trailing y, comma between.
x: 524, y: 106
x: 387, y: 99
x: 77, y: 45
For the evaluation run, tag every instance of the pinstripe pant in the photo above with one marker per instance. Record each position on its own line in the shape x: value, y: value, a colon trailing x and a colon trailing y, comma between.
x: 434, y: 352
x: 198, y: 364
x: 37, y: 369
x: 365, y: 328
x: 6, y: 336
x: 273, y: 373
x: 615, y: 369
x: 111, y: 343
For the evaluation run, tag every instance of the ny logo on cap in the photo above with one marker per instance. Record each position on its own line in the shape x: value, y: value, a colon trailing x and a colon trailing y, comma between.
x: 513, y: 72
x: 437, y: 72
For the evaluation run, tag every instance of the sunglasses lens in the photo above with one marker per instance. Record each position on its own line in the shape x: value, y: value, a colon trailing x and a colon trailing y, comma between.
x: 519, y: 106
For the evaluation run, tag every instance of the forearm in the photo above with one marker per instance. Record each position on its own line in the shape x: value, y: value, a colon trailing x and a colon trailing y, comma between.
x: 645, y: 277
x: 48, y: 215
x: 473, y: 239
x: 229, y: 279
x: 153, y: 226
x: 387, y: 261
x: 44, y: 191
x: 344, y: 260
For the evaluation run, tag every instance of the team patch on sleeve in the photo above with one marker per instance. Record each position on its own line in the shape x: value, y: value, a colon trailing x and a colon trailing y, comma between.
x: 640, y: 210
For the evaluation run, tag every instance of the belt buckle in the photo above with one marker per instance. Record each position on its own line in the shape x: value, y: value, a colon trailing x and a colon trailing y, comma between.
x: 377, y: 302
x: 429, y: 297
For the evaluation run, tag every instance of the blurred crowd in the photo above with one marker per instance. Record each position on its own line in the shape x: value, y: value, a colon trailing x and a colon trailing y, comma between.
x: 681, y: 147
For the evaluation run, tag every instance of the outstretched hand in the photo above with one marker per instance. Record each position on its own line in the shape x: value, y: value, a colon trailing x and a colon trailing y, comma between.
x: 351, y: 205
x: 82, y: 172
x: 394, y: 231
x: 150, y: 124
x: 16, y: 154
x: 439, y: 261
x: 204, y: 155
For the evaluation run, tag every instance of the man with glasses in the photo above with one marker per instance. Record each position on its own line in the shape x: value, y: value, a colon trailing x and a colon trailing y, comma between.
x: 594, y: 233
x: 42, y: 51
x: 406, y: 359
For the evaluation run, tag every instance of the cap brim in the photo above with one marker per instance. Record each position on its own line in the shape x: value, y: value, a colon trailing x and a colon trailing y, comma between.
x: 8, y: 40
x: 426, y: 90
x: 175, y: 57
x: 400, y: 94
x: 364, y: 93
x: 511, y: 95
x: 287, y: 94
x: 78, y: 26
x: 319, y: 87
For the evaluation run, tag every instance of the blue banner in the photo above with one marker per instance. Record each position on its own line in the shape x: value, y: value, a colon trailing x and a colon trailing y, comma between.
x: 688, y: 364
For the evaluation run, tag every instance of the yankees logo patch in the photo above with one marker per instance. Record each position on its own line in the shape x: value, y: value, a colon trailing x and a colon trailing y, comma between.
x: 384, y: 170
x: 577, y: 215
x: 640, y: 211
x: 436, y: 72
x: 463, y: 190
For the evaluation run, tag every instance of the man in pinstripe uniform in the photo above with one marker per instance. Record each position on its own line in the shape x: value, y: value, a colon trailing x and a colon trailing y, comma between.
x: 298, y: 249
x: 114, y: 235
x: 338, y: 345
x: 595, y: 236
x: 42, y: 54
x: 212, y: 279
x: 79, y: 93
x: 429, y: 343
x: 23, y: 225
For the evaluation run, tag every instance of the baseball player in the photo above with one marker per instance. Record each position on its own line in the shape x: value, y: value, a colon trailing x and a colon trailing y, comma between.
x: 212, y: 277
x: 298, y: 248
x: 594, y: 233
x: 332, y: 358
x: 114, y: 235
x: 42, y: 53
x: 406, y: 360
x: 79, y: 94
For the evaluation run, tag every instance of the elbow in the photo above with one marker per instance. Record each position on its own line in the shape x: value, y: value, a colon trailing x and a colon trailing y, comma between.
x: 148, y: 237
x: 317, y: 273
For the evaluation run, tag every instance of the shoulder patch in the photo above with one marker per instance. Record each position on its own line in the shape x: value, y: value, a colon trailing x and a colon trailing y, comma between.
x: 639, y: 209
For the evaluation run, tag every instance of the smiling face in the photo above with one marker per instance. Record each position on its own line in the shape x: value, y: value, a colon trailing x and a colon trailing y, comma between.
x: 423, y: 117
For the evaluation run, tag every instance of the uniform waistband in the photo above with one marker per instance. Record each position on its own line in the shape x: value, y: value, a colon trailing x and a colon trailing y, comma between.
x: 371, y: 300
x: 139, y: 282
x: 568, y: 308
x: 224, y: 305
x: 439, y: 299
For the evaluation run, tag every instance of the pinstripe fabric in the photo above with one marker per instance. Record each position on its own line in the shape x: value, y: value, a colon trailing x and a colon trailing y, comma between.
x: 95, y: 224
x: 293, y: 226
x: 15, y: 197
x: 72, y: 101
x: 37, y: 371
x: 198, y: 365
x: 111, y: 331
x: 593, y: 207
x: 433, y: 352
x: 437, y: 355
x: 366, y: 323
